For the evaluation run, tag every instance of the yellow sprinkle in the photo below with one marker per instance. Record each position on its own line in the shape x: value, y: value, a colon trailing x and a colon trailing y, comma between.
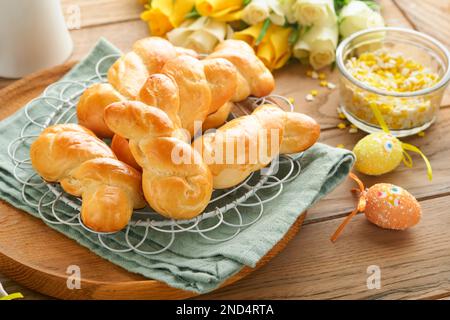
x: 291, y: 100
x: 341, y: 116
x: 323, y: 83
x: 309, y: 73
x: 314, y: 93
x: 353, y: 126
x: 421, y: 134
x: 342, y: 125
x: 322, y: 76
x: 340, y: 145
x: 353, y: 130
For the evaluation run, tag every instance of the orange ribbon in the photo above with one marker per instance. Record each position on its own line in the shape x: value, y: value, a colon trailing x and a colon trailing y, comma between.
x: 360, y: 207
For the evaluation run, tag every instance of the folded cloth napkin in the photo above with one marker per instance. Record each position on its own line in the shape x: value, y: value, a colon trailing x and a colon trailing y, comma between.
x: 192, y: 262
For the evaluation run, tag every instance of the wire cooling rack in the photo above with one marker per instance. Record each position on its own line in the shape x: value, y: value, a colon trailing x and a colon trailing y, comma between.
x: 226, y: 208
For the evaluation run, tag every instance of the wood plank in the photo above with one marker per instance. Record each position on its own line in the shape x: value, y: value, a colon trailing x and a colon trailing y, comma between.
x: 100, y: 12
x: 429, y: 16
x: 392, y: 14
x: 11, y: 287
x: 415, y: 264
x: 122, y: 35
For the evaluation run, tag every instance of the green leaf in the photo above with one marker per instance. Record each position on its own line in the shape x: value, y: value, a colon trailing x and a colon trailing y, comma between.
x: 263, y: 32
x: 193, y: 14
x: 246, y: 2
x: 339, y: 4
x: 295, y: 34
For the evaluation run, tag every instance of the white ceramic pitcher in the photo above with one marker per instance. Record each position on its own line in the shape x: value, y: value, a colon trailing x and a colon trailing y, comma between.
x: 33, y: 36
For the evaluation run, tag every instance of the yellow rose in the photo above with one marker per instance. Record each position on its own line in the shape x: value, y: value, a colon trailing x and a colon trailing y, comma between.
x: 164, y: 15
x: 221, y: 10
x: 201, y: 35
x: 274, y: 49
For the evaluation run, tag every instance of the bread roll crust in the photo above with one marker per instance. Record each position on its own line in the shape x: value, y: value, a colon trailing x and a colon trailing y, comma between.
x: 195, y: 94
x: 176, y: 182
x: 253, y: 76
x: 86, y: 167
x: 249, y: 143
x: 91, y: 105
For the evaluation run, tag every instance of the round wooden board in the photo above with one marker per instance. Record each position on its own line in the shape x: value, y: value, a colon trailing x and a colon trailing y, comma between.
x: 38, y: 257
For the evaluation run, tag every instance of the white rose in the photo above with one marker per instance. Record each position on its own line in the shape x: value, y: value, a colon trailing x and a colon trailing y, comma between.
x: 201, y: 35
x: 309, y: 12
x: 318, y: 45
x: 259, y: 10
x: 357, y: 16
x: 288, y: 11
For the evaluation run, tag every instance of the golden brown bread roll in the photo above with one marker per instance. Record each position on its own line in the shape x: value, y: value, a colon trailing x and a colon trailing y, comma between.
x: 218, y: 118
x: 150, y: 55
x: 249, y: 143
x: 121, y: 149
x: 300, y: 132
x: 128, y: 74
x: 173, y: 186
x: 86, y: 167
x: 91, y: 105
x: 253, y: 78
x: 161, y: 91
x: 222, y: 80
x: 126, y: 77
x: 198, y: 96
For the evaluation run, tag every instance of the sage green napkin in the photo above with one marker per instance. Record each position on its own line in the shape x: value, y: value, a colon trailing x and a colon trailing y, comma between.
x: 192, y: 263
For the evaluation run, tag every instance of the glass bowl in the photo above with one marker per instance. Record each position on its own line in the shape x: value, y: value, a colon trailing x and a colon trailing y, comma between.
x: 405, y: 113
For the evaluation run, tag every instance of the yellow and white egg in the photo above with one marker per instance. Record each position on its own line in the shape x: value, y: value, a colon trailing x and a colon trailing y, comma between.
x: 378, y: 153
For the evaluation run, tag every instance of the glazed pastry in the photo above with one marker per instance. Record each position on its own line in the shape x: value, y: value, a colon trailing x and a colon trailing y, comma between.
x: 86, y: 167
x: 255, y: 140
x: 176, y: 182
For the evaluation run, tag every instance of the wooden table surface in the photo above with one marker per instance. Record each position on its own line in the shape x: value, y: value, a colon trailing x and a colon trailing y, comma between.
x: 414, y: 264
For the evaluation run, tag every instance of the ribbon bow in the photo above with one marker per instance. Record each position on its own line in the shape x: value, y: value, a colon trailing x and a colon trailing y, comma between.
x: 359, y: 208
x: 407, y: 160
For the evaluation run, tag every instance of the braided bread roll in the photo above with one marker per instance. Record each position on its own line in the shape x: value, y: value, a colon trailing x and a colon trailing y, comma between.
x: 150, y: 55
x: 125, y: 78
x: 173, y: 187
x: 253, y: 77
x: 250, y: 143
x: 86, y: 167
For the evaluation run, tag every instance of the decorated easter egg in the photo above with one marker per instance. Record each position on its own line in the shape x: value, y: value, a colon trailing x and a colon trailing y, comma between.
x: 378, y: 153
x: 391, y: 207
